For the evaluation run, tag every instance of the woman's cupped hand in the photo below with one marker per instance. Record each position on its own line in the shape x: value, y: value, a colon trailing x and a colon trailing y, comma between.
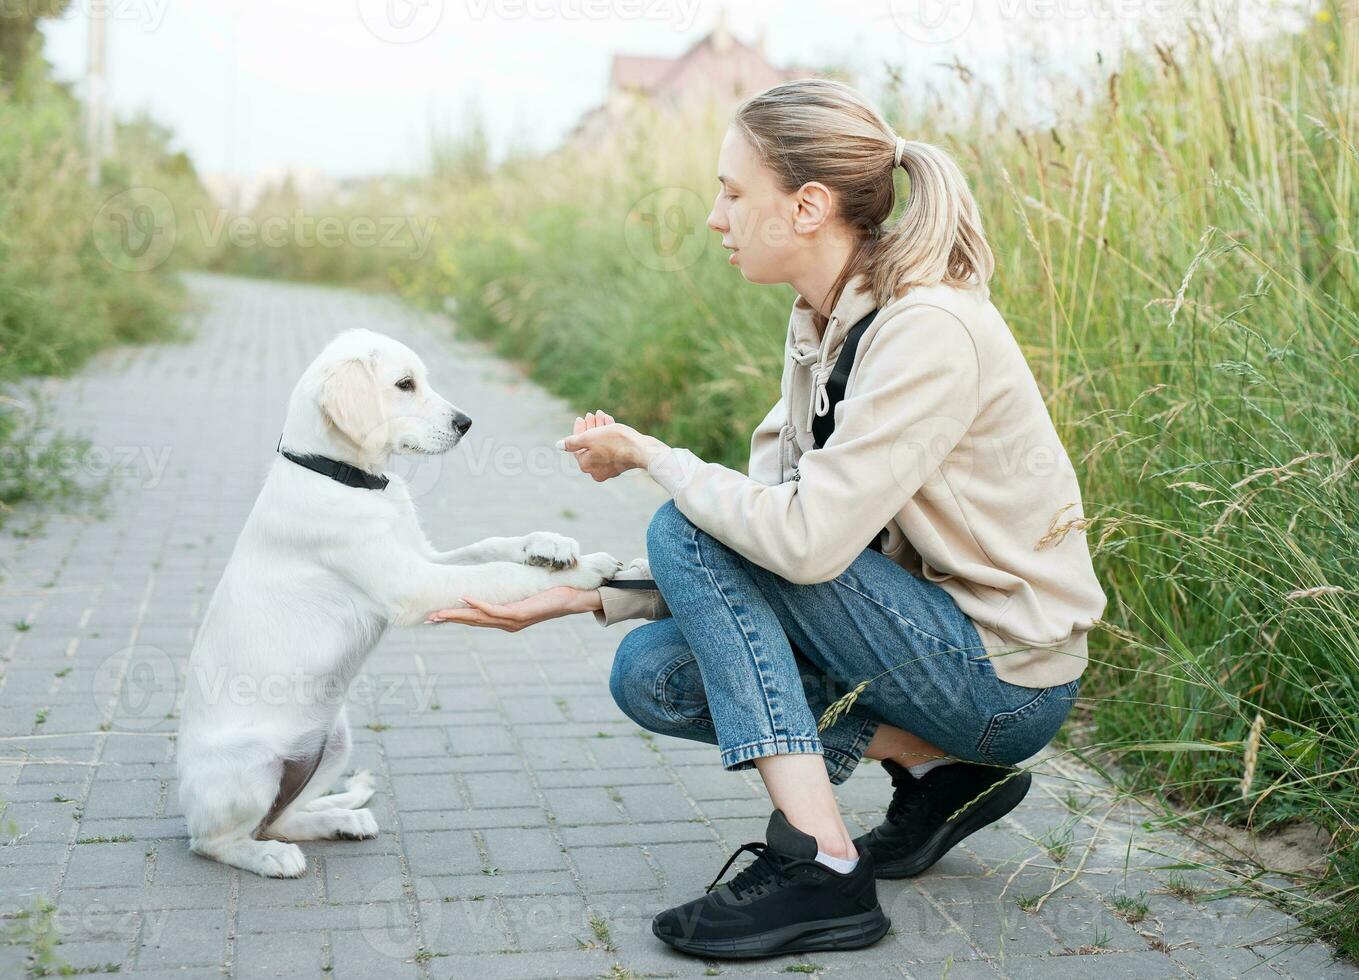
x: 604, y: 448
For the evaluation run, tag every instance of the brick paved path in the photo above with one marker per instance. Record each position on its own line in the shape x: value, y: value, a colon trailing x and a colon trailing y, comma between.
x: 528, y: 828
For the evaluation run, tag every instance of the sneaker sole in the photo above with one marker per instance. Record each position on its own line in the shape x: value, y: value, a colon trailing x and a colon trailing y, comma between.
x: 943, y: 840
x: 851, y: 932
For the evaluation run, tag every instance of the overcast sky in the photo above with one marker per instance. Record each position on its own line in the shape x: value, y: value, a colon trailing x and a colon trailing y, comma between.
x: 355, y: 86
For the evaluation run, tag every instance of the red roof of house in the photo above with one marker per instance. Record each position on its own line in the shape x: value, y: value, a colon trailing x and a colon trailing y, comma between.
x: 729, y: 65
x: 638, y: 71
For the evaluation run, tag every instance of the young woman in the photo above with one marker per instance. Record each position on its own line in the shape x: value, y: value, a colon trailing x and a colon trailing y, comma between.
x: 930, y: 544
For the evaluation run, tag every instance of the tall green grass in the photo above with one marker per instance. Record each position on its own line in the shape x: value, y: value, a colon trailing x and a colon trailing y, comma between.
x: 82, y: 265
x: 1178, y: 258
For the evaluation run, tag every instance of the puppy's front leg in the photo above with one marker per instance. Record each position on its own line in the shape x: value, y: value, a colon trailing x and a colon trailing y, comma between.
x: 423, y: 588
x: 539, y: 548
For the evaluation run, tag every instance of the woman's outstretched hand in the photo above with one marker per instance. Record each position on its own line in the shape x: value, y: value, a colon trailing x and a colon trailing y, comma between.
x: 514, y: 616
x: 604, y: 448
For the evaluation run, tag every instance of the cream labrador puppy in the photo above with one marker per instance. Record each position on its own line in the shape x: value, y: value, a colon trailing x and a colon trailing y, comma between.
x: 330, y: 556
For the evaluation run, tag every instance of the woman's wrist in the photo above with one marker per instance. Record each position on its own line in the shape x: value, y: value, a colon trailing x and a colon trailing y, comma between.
x: 586, y: 600
x: 648, y: 448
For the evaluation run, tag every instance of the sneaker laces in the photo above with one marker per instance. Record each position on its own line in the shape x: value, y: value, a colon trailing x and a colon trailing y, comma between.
x: 764, y: 868
x: 907, y: 795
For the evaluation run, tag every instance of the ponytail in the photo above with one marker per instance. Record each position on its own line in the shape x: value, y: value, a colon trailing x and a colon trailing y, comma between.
x: 938, y: 238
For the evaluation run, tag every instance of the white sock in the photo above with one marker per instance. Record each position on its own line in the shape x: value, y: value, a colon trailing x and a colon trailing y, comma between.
x: 843, y: 865
x: 919, y: 770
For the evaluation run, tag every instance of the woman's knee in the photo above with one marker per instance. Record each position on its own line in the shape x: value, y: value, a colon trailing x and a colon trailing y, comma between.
x: 666, y: 537
x: 656, y: 682
x: 623, y: 676
x: 637, y: 663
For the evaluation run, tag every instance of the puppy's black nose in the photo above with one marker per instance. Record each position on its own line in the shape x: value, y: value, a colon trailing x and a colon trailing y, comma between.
x: 462, y: 423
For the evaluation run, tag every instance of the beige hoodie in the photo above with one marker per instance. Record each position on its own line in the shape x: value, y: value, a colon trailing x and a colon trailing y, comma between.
x: 943, y: 445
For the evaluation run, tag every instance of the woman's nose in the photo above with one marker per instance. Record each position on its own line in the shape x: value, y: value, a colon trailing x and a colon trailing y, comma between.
x: 715, y: 223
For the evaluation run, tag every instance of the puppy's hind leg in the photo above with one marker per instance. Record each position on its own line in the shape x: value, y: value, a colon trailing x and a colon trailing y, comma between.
x: 324, y: 825
x: 310, y: 816
x: 225, y: 793
x: 313, y: 817
x: 358, y: 787
x: 358, y: 790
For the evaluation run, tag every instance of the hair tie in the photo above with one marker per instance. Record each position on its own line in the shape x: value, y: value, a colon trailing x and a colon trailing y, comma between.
x: 901, y: 151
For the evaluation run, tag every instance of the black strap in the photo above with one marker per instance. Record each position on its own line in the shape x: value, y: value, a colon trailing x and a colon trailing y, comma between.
x: 824, y: 425
x: 350, y: 476
x: 631, y: 583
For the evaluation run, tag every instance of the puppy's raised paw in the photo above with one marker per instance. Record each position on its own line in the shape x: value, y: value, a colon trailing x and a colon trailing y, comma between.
x: 548, y: 550
x: 592, y: 572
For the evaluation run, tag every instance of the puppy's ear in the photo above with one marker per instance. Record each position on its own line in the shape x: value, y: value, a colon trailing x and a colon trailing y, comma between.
x: 350, y: 400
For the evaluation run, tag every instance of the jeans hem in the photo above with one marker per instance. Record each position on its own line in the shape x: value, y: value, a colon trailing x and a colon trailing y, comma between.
x: 744, y: 756
x: 840, y: 763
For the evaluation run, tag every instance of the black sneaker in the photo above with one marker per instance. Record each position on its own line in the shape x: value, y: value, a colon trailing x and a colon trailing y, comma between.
x: 921, y: 826
x: 784, y: 902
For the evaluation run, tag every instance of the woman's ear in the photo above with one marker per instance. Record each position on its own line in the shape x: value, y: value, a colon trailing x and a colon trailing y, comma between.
x: 350, y: 401
x: 812, y: 207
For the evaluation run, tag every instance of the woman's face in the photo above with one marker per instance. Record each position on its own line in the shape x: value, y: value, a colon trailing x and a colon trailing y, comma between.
x: 752, y: 214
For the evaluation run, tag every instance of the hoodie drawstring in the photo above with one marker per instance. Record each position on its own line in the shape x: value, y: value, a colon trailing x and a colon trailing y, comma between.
x: 820, y: 399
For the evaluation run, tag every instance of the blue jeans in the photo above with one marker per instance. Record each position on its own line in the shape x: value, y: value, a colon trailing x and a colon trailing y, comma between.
x: 749, y: 661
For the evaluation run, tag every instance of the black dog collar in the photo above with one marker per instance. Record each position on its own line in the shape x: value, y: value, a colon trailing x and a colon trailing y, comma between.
x: 350, y: 476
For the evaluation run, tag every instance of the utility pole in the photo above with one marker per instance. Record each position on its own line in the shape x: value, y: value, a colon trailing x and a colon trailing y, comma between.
x: 98, y: 128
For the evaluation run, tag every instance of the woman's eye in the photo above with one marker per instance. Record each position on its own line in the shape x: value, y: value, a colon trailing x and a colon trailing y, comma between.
x: 406, y: 384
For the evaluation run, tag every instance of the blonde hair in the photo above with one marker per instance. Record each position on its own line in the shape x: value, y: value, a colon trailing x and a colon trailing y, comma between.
x: 815, y: 129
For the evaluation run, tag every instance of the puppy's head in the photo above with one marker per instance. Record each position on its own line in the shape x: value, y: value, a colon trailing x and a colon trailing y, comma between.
x: 375, y: 393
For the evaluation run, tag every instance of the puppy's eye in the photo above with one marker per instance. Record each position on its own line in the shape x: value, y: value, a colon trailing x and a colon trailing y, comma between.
x: 406, y: 384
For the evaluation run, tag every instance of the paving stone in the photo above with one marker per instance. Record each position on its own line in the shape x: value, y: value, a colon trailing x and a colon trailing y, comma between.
x: 1307, y: 959
x: 124, y: 798
x: 1223, y: 963
x: 1108, y: 966
x: 443, y: 852
x: 375, y: 951
x: 615, y: 868
x: 523, y: 850
x: 591, y: 805
x: 505, y: 884
x: 414, y: 793
x: 115, y: 862
x: 500, y: 789
x: 352, y: 878
x: 293, y: 954
x: 190, y: 937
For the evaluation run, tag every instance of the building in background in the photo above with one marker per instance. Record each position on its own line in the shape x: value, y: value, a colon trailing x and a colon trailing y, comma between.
x: 718, y: 68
